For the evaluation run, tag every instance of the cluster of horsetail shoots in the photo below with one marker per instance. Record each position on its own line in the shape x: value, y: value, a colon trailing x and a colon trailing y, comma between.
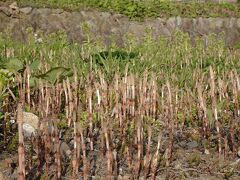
x: 100, y: 111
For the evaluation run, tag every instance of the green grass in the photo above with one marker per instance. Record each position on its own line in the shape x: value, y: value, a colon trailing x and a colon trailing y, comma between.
x: 143, y: 9
x: 177, y: 59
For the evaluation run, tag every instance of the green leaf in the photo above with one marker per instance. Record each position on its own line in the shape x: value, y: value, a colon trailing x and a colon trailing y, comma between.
x: 13, y: 65
x: 34, y: 65
x: 56, y: 73
x: 33, y: 82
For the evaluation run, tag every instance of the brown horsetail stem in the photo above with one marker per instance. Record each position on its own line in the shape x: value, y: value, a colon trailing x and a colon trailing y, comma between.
x: 127, y: 103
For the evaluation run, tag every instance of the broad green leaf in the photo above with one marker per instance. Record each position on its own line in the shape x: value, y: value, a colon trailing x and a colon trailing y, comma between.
x: 54, y: 74
x: 34, y: 65
x: 13, y: 65
x: 33, y: 82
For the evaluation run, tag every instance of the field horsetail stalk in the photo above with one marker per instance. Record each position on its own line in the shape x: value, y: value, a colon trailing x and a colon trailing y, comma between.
x: 21, y: 150
x: 122, y: 103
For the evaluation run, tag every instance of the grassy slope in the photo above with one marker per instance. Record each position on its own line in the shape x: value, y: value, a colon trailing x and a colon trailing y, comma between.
x: 143, y: 9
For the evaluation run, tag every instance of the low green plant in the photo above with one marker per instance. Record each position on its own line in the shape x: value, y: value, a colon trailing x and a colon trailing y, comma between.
x: 138, y: 10
x: 53, y: 59
x: 194, y: 160
x: 228, y: 174
x: 13, y: 144
x: 62, y: 124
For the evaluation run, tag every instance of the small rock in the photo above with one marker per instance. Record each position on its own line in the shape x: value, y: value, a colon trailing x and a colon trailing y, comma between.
x: 238, y: 153
x: 182, y: 143
x: 31, y: 119
x: 105, y: 14
x: 235, y: 162
x: 26, y: 10
x: 206, y: 151
x: 57, y: 11
x: 178, y: 21
x: 30, y: 124
x: 28, y: 130
x: 34, y: 157
x: 120, y: 171
x: 65, y: 150
x: 71, y: 144
x: 12, y: 121
x: 171, y: 23
x: 192, y: 144
x: 44, y: 11
x: 5, y: 11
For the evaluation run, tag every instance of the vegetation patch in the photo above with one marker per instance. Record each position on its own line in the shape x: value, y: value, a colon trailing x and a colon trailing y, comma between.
x: 104, y: 108
x: 139, y: 10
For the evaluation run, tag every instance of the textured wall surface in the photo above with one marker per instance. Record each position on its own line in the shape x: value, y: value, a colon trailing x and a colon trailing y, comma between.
x: 107, y: 25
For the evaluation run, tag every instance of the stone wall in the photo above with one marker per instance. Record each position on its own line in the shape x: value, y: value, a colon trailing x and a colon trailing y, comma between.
x: 204, y: 1
x: 105, y: 24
